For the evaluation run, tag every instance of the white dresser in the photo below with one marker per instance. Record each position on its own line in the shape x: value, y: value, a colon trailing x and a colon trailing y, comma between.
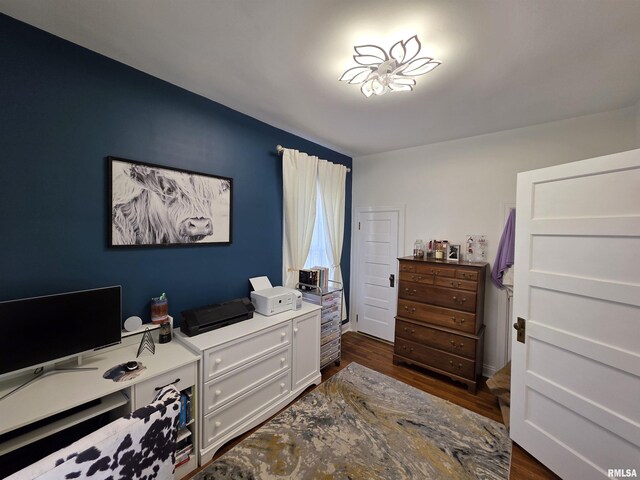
x: 252, y: 369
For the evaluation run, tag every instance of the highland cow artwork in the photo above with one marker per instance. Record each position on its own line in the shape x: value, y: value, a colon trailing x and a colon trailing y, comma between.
x: 153, y: 205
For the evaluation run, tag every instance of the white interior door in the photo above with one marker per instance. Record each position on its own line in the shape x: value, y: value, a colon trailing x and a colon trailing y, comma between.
x: 377, y: 278
x: 575, y: 399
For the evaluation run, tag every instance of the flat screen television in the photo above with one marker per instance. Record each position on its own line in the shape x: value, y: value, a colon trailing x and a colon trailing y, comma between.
x: 40, y: 330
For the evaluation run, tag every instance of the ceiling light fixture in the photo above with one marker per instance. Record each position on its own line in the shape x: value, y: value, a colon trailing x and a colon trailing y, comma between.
x: 380, y: 72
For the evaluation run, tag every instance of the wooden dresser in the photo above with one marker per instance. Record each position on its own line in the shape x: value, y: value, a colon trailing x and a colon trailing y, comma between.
x: 439, y: 325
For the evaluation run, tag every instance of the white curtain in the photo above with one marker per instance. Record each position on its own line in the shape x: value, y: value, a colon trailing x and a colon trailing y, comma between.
x: 299, y: 177
x: 331, y: 185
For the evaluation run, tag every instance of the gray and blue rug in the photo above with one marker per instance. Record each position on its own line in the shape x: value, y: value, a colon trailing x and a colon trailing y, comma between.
x: 361, y: 424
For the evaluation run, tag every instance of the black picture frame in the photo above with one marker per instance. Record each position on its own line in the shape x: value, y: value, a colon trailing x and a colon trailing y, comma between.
x: 154, y: 206
x: 453, y: 253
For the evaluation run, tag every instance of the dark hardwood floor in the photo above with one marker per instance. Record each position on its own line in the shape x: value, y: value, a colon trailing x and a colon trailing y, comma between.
x: 377, y: 355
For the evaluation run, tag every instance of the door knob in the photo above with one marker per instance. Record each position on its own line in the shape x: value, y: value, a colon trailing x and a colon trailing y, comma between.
x: 521, y: 328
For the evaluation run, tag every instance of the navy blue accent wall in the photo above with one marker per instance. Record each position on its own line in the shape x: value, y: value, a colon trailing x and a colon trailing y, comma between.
x: 63, y: 109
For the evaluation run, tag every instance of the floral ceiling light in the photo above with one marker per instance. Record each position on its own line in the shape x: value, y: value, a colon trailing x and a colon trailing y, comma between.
x: 380, y: 72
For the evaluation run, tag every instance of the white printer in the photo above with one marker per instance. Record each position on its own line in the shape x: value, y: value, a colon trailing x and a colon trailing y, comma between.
x: 270, y: 300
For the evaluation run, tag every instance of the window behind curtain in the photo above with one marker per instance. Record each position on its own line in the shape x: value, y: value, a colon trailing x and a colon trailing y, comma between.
x: 318, y: 252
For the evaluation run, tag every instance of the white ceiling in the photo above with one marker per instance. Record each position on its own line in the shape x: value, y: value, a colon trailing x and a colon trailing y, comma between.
x: 506, y: 63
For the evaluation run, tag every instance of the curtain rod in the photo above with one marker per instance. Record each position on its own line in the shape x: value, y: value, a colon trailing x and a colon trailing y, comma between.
x: 280, y: 149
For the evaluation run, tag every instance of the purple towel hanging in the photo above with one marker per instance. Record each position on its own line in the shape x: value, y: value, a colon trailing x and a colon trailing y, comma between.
x: 504, y: 257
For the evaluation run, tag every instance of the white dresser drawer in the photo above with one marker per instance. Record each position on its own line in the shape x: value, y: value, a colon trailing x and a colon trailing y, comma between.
x: 233, y: 384
x: 182, y: 377
x: 244, y: 408
x: 222, y: 359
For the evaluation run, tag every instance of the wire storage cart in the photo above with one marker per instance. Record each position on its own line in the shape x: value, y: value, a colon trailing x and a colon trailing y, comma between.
x: 330, y: 299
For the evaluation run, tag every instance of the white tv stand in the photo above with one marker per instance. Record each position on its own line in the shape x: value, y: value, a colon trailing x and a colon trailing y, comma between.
x: 52, y: 395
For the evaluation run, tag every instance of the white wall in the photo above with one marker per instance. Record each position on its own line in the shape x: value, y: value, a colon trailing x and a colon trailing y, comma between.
x: 461, y: 187
x: 638, y: 125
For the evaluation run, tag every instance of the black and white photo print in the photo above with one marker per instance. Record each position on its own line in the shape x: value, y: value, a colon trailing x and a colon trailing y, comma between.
x: 155, y: 205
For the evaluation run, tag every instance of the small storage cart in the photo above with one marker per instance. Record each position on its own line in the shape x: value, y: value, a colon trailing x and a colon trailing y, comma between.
x: 330, y: 299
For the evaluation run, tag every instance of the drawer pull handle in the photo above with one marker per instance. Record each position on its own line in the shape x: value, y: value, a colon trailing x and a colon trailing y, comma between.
x: 458, y: 366
x: 282, y: 360
x: 177, y: 380
x: 410, y: 310
x: 218, y: 361
x: 282, y: 385
x: 295, y: 330
x: 283, y: 334
x: 217, y: 424
x: 218, y: 392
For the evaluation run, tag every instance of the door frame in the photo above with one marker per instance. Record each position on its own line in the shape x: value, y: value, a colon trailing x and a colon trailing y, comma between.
x: 355, y: 251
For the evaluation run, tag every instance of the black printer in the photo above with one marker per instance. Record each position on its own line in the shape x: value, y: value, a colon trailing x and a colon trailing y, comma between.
x: 218, y: 315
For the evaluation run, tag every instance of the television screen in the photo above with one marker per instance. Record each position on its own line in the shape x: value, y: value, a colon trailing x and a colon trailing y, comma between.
x: 40, y: 330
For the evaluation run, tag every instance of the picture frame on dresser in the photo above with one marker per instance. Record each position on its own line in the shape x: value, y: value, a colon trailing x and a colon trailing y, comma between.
x: 153, y: 205
x: 453, y: 253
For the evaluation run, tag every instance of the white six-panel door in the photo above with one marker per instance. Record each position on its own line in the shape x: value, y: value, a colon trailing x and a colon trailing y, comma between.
x: 378, y: 241
x: 575, y: 400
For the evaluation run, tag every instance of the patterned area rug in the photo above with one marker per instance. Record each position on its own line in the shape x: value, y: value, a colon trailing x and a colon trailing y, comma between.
x: 361, y: 424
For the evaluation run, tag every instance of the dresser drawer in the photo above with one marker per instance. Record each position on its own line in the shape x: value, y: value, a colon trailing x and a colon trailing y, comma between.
x: 233, y: 384
x: 427, y: 269
x: 467, y: 275
x: 441, y: 339
x: 417, y: 277
x: 443, y: 297
x: 181, y: 378
x: 225, y: 419
x: 456, y: 283
x: 432, y: 357
x: 444, y: 317
x: 222, y: 359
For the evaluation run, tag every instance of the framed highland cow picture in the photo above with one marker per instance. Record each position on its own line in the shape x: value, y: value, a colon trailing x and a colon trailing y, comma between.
x: 152, y: 205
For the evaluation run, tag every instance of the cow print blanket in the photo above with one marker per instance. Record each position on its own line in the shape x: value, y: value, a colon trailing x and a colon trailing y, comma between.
x: 140, y: 445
